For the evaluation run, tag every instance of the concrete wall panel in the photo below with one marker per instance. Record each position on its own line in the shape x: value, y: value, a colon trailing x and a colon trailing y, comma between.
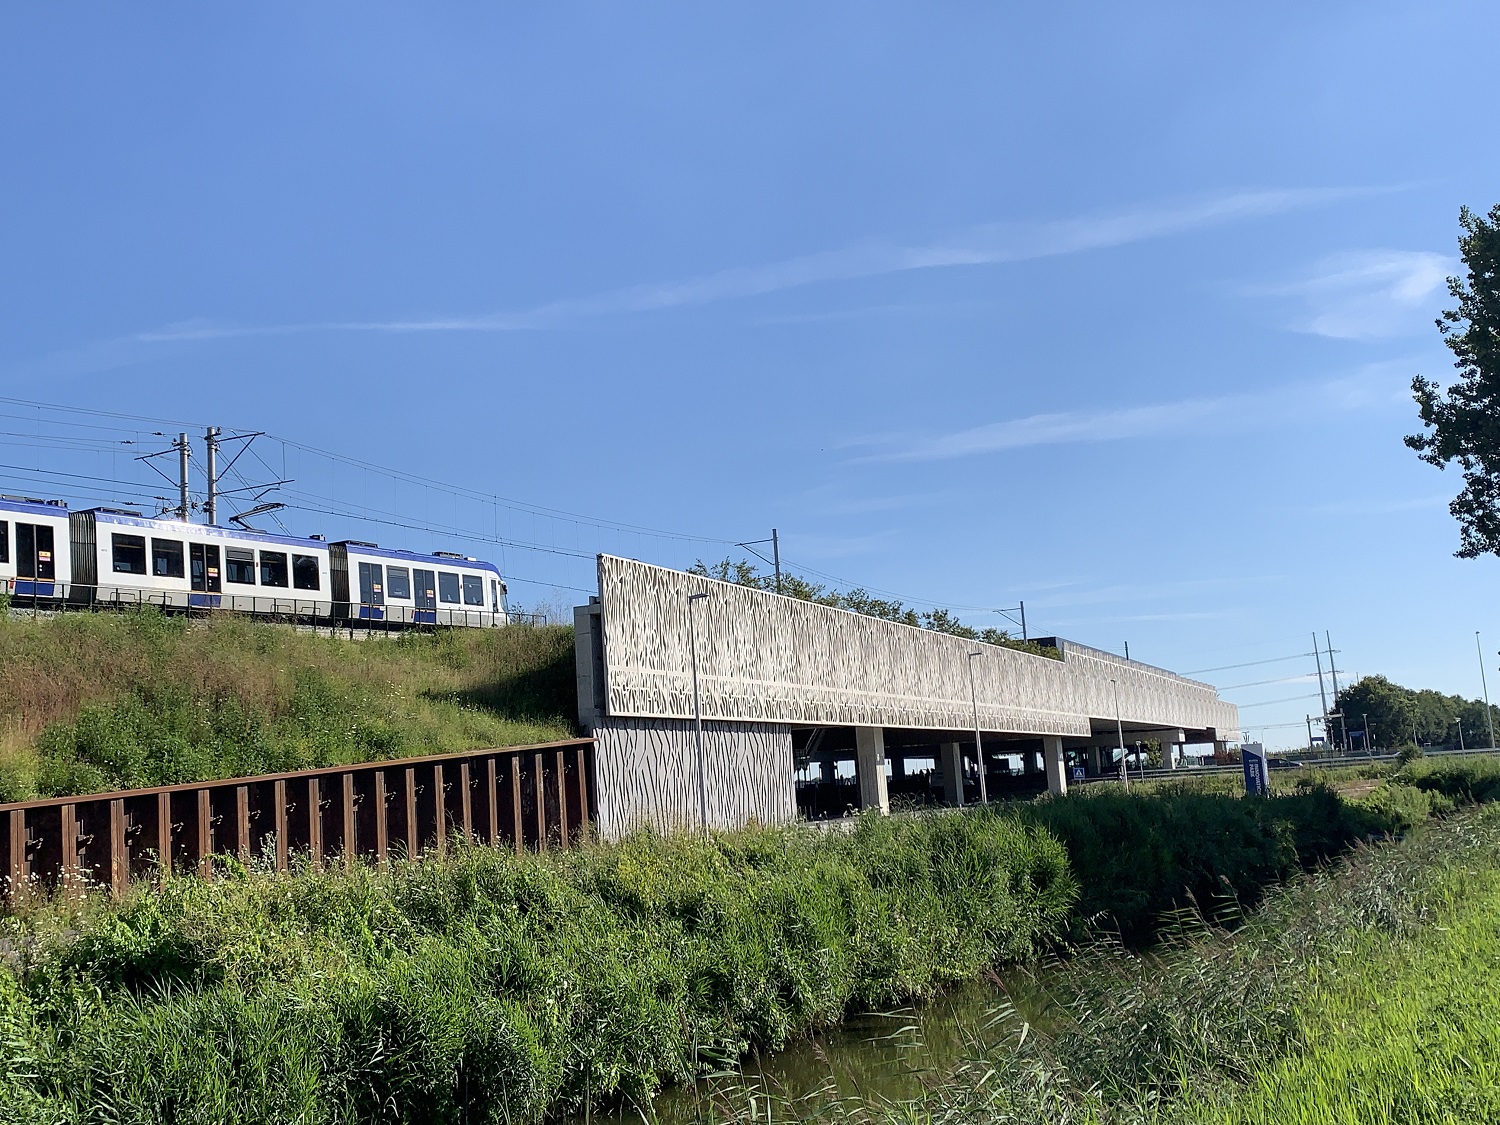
x: 769, y: 659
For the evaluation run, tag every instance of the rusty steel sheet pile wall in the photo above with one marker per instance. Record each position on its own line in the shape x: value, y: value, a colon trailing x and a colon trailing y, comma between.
x: 519, y: 797
x: 770, y: 659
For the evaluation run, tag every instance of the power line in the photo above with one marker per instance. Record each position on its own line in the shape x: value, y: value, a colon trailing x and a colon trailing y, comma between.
x: 1268, y: 702
x: 1248, y: 664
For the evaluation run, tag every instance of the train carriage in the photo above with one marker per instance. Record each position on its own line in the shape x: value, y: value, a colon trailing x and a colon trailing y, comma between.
x: 371, y: 584
x: 34, y: 549
x: 121, y: 557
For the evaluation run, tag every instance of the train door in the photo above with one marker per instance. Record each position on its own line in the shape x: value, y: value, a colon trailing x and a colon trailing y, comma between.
x: 372, y: 591
x: 35, y: 560
x: 203, y: 564
x: 424, y: 593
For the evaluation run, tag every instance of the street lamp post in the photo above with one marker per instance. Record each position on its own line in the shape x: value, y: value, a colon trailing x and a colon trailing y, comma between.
x: 698, y: 714
x: 1489, y: 716
x: 1460, y: 721
x: 1120, y: 733
x: 984, y: 793
x: 1366, y: 718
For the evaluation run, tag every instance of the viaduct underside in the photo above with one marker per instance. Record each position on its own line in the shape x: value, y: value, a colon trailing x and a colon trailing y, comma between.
x: 817, y: 711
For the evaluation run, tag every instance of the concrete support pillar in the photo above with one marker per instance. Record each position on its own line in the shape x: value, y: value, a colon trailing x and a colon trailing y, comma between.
x: 1096, y: 762
x: 827, y: 771
x: 898, y: 766
x: 1028, y: 762
x: 1171, y: 748
x: 1052, y: 758
x: 869, y: 768
x: 1220, y: 746
x: 951, y: 759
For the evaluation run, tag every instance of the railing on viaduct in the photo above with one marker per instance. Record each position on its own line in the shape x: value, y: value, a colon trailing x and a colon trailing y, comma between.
x: 525, y: 797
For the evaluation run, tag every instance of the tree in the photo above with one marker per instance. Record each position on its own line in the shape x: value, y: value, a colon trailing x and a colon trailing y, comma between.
x: 1397, y: 713
x: 1464, y: 420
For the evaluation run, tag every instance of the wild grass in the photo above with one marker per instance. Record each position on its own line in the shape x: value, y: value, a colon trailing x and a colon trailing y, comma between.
x: 494, y: 987
x: 1362, y: 993
x: 92, y: 702
x: 1139, y: 855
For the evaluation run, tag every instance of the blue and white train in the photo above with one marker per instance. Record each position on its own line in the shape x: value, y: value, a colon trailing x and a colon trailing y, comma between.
x: 111, y: 556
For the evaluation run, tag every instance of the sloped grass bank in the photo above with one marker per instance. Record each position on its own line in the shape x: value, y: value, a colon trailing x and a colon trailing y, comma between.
x: 94, y: 702
x: 1359, y: 994
x: 493, y: 987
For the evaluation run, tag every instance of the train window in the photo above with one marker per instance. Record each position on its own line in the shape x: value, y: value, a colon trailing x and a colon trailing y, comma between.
x: 4, y: 542
x: 166, y: 558
x: 273, y: 568
x: 239, y: 565
x: 473, y: 589
x: 305, y: 572
x: 129, y: 553
x: 398, y: 581
x: 371, y: 585
x: 447, y: 587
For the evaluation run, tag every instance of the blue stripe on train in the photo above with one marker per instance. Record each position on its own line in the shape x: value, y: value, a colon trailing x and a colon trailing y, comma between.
x: 372, y: 612
x: 204, y: 601
x: 36, y: 589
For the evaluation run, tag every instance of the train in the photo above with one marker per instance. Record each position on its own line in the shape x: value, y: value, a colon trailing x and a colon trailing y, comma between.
x: 51, y: 556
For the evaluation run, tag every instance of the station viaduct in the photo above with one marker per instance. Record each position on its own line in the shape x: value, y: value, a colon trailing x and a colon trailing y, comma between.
x: 814, y: 711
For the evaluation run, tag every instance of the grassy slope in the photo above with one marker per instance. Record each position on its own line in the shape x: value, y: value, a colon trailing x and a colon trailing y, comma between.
x: 1406, y: 1031
x: 90, y: 702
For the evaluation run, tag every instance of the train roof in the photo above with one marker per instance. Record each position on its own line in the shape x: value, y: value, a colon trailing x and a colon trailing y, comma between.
x: 355, y: 546
x: 34, y: 507
x: 120, y: 517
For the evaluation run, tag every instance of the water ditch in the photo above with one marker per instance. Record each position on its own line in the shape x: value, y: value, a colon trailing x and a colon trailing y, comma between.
x: 892, y: 1054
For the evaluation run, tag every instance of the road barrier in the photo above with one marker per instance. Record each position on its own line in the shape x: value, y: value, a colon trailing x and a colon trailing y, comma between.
x: 522, y: 797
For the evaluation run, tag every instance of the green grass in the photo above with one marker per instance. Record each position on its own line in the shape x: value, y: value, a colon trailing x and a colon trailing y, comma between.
x: 493, y: 987
x: 1360, y: 994
x: 1406, y: 1031
x: 93, y: 702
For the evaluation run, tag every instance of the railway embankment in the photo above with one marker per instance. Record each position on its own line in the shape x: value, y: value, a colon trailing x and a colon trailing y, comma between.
x: 487, y: 985
x: 97, y: 702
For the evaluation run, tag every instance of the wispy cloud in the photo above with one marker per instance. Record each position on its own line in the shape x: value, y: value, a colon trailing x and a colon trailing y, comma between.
x: 1373, y: 386
x: 1366, y: 294
x: 989, y: 244
x: 1062, y: 428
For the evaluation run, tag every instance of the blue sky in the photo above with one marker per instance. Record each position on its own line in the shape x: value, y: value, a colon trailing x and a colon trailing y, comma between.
x: 1110, y: 309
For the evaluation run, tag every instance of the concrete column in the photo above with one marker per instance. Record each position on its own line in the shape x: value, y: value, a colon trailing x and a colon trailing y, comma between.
x: 1052, y: 758
x: 898, y: 766
x: 1028, y: 762
x: 1220, y: 746
x: 1171, y: 748
x: 869, y: 768
x: 952, y: 763
x: 1096, y: 762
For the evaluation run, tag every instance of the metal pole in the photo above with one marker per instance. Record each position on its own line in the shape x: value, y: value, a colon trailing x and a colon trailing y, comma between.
x: 776, y: 557
x: 1023, y: 622
x: 1322, y: 696
x: 1367, y: 734
x: 1309, y: 734
x: 1333, y: 670
x: 1120, y: 734
x: 1489, y: 715
x: 984, y: 793
x: 698, y: 716
x: 1460, y: 723
x: 211, y: 440
x: 182, y: 471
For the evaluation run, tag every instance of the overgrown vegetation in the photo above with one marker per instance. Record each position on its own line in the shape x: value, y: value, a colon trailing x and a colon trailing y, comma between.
x: 92, y: 702
x: 742, y: 572
x: 491, y: 987
x: 1359, y: 995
